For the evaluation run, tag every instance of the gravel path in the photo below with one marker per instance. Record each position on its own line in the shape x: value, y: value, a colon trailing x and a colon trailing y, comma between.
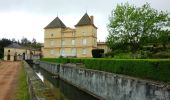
x: 8, y: 79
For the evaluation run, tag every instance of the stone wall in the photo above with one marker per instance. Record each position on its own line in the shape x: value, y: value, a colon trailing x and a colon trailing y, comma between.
x: 37, y: 89
x: 108, y: 85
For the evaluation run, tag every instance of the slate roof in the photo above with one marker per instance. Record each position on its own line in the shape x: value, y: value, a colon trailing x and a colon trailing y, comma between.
x: 85, y: 20
x: 14, y: 45
x: 56, y: 23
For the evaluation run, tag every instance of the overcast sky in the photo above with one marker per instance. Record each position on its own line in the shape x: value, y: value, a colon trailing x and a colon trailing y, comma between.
x: 27, y: 18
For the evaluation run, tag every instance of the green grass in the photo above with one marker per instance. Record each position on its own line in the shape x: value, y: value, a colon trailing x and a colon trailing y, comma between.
x: 22, y: 87
x: 154, y: 69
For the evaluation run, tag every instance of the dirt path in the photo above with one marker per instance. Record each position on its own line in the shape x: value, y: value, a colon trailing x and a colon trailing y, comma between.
x: 8, y: 79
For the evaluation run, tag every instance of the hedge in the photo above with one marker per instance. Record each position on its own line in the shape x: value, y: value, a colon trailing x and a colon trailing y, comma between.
x: 154, y: 69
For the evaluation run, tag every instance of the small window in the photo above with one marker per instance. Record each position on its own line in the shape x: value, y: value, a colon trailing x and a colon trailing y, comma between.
x: 62, y: 42
x: 52, y: 35
x: 84, y: 42
x: 62, y: 52
x: 73, y: 33
x: 84, y: 51
x: 73, y: 51
x: 73, y: 42
x: 8, y: 50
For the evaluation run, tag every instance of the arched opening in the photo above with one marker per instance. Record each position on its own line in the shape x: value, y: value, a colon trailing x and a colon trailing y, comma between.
x: 15, y: 56
x: 23, y: 56
x: 8, y: 57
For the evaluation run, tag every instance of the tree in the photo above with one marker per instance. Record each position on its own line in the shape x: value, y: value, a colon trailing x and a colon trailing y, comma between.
x: 3, y: 43
x: 132, y: 27
x: 34, y: 43
x: 25, y: 42
x: 164, y: 38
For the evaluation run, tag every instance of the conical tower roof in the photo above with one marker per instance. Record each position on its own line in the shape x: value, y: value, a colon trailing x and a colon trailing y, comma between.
x: 56, y: 23
x: 85, y: 20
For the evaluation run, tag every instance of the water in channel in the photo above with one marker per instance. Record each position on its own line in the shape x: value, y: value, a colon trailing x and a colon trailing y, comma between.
x: 61, y: 89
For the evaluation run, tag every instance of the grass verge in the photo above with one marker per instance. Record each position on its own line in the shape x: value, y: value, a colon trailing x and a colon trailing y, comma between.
x: 22, y: 87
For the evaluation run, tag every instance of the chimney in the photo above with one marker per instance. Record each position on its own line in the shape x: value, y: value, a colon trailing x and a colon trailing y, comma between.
x: 91, y: 17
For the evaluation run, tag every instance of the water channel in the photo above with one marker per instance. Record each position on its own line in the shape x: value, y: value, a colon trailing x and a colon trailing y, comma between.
x: 61, y: 89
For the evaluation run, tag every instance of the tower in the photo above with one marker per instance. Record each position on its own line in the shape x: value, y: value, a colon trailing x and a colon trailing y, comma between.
x: 52, y: 38
x: 86, y: 33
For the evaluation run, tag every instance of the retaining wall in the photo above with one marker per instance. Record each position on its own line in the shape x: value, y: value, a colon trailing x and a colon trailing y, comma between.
x: 108, y: 85
x: 37, y: 89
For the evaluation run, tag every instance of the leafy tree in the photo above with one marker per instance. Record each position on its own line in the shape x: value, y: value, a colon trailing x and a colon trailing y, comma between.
x: 3, y: 43
x: 26, y: 42
x: 132, y: 27
x: 164, y: 38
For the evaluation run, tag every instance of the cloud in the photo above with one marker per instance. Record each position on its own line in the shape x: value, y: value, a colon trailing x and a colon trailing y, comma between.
x: 34, y: 15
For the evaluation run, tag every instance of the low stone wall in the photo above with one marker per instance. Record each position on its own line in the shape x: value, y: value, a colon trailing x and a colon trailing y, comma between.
x: 108, y: 85
x: 37, y: 89
x: 50, y: 67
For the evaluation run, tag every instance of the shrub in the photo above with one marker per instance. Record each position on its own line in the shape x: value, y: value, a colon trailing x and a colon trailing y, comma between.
x: 155, y: 69
x: 123, y: 56
x: 97, y: 53
x: 161, y: 55
x: 109, y: 54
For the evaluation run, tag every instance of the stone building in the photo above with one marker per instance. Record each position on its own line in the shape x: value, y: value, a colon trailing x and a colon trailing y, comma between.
x: 60, y: 40
x: 16, y: 52
x: 102, y: 45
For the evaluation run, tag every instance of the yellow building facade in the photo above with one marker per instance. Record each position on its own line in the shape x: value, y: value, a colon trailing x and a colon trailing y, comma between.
x: 15, y: 52
x: 60, y: 40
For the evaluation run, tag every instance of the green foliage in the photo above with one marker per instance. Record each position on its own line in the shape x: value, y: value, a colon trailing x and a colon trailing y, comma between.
x: 161, y: 55
x: 131, y: 27
x: 97, y: 53
x: 22, y: 87
x: 58, y: 60
x: 154, y: 69
x: 3, y: 43
x: 123, y: 56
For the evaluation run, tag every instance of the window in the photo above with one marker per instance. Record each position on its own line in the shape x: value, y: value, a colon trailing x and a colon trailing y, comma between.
x: 52, y: 35
x: 73, y: 42
x: 84, y: 51
x: 52, y: 43
x: 73, y: 34
x: 62, y: 42
x: 52, y: 52
x: 73, y: 51
x: 62, y: 52
x: 8, y: 50
x: 84, y: 41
